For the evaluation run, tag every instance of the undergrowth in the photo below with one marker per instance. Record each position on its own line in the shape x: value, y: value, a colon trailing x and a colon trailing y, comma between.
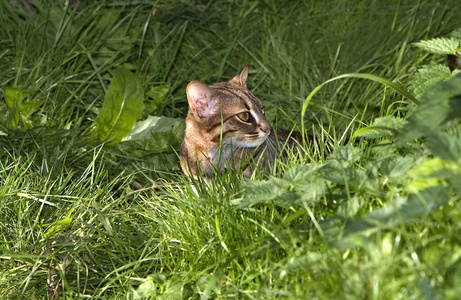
x: 91, y: 116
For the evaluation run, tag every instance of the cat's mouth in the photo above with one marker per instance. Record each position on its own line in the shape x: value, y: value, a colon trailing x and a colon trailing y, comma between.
x: 251, y: 140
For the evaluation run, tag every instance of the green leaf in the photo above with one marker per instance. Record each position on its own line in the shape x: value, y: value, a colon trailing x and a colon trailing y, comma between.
x: 154, y: 135
x: 354, y: 178
x: 20, y: 109
x: 157, y: 97
x: 123, y: 106
x: 444, y: 145
x: 263, y: 191
x: 381, y: 127
x: 298, y: 188
x: 399, y: 211
x: 154, y: 141
x: 158, y: 286
x: 456, y: 34
x: 60, y: 225
x: 147, y: 288
x: 438, y: 106
x: 433, y: 172
x: 396, y: 166
x: 427, y: 76
x: 349, y: 208
x: 305, y: 193
x: 346, y: 155
x: 13, y: 97
x: 439, y: 45
x: 340, y: 167
x: 301, y: 173
x: 455, y: 182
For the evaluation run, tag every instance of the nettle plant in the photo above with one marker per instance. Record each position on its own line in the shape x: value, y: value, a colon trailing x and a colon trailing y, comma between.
x: 411, y: 166
x: 428, y: 75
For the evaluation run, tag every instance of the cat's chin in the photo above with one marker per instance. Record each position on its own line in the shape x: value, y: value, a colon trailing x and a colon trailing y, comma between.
x: 249, y: 143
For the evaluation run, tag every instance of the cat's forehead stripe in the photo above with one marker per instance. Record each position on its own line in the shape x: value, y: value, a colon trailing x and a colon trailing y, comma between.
x: 244, y: 95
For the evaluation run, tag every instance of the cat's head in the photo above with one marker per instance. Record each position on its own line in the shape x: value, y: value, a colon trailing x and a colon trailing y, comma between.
x: 231, y: 105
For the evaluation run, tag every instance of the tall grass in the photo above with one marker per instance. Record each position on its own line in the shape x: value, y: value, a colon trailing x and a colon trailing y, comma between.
x: 79, y: 220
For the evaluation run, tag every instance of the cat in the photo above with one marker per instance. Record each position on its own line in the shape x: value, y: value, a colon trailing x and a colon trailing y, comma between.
x: 226, y: 127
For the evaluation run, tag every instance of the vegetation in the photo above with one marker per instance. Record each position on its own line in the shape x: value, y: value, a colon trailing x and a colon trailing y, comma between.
x: 91, y: 114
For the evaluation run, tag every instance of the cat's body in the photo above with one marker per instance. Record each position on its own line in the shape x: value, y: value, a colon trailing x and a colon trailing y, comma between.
x: 226, y: 127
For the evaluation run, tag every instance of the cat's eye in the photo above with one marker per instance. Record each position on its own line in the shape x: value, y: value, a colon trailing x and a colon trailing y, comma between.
x: 244, y: 116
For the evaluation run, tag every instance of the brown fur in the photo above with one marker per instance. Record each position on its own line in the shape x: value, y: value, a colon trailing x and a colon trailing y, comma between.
x: 218, y: 136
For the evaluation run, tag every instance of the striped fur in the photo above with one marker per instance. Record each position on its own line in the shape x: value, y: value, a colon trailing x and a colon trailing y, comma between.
x: 219, y: 135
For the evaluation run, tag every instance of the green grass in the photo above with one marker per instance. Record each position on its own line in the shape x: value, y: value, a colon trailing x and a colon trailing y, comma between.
x: 380, y: 220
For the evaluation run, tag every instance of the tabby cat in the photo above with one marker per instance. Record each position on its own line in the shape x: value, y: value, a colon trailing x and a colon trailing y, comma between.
x: 226, y: 128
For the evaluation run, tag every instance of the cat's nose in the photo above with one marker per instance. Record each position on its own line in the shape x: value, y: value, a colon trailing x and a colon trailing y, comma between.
x: 265, y: 127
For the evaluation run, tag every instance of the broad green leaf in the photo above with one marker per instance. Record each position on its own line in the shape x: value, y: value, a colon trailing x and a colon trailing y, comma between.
x: 306, y: 187
x: 428, y: 167
x: 339, y: 169
x: 157, y: 97
x: 154, y: 140
x: 396, y: 166
x: 123, y: 106
x: 456, y: 34
x: 20, y: 109
x: 154, y: 135
x: 384, y: 148
x: 381, y: 127
x: 455, y: 182
x: 147, y: 288
x: 282, y: 193
x: 439, y: 45
x: 426, y: 289
x: 420, y: 184
x: 60, y: 225
x: 444, y: 145
x: 305, y: 261
x: 306, y: 193
x: 298, y: 187
x: 427, y: 76
x: 263, y: 191
x: 432, y: 172
x: 13, y: 97
x: 301, y: 173
x: 399, y: 211
x: 158, y: 286
x: 354, y: 178
x: 349, y: 208
x: 346, y: 155
x: 437, y: 107
x: 455, y: 106
x: 27, y: 108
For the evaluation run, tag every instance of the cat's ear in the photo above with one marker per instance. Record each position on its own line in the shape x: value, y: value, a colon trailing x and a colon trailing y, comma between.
x: 199, y: 97
x: 241, y: 78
